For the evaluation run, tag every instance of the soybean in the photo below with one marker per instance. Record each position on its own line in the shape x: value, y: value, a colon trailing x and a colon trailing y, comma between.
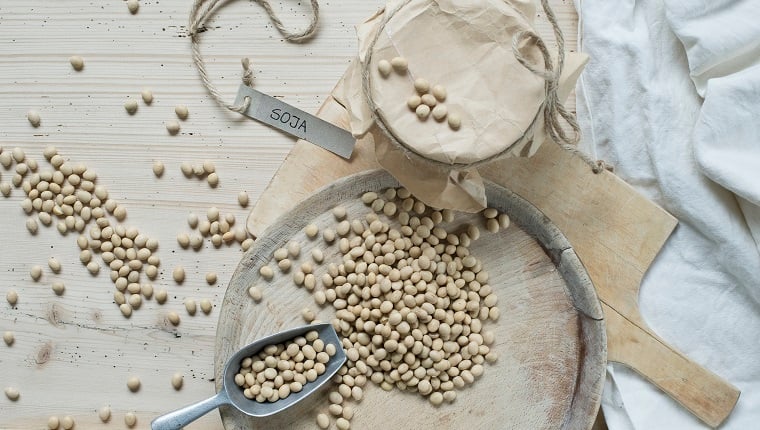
x: 208, y: 167
x: 413, y: 102
x: 455, y: 121
x: 342, y: 424
x: 147, y: 96
x: 186, y: 169
x: 323, y: 421
x: 173, y: 318
x: 181, y: 111
x: 172, y: 126
x: 34, y: 118
x: 183, y: 239
x: 125, y: 309
x: 130, y: 106
x: 12, y: 297
x: 255, y: 293
x: 339, y: 212
x: 130, y: 419
x: 503, y: 221
x: 93, y: 267
x: 36, y: 272
x: 308, y: 315
x: 294, y: 249
x: 191, y: 306
x: 58, y: 288
x: 158, y: 168
x: 243, y: 198
x: 53, y: 423
x: 429, y: 100
x: 104, y: 414
x: 311, y: 231
x: 421, y: 85
x: 400, y: 64
x: 211, y: 278
x: 423, y: 111
x: 177, y: 380
x: 206, y: 306
x: 440, y: 112
x: 133, y: 6
x: 67, y: 423
x: 213, y: 179
x: 178, y: 274
x: 133, y: 383
x: 77, y: 62
x: 384, y: 67
x: 12, y: 393
x: 192, y: 220
x: 439, y: 92
x: 161, y: 296
x: 266, y: 272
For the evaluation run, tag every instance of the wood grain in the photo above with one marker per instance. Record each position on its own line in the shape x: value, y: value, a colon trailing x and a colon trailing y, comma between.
x: 74, y: 353
x: 552, y: 356
x: 700, y: 391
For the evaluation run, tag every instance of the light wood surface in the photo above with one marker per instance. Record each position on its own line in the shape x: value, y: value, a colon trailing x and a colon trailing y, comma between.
x: 551, y: 363
x: 616, y: 232
x: 74, y: 353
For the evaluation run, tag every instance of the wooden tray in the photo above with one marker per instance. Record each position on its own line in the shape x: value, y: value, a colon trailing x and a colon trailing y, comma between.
x: 550, y: 337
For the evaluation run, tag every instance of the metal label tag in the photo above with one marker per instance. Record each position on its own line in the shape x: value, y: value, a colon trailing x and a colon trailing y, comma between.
x: 294, y: 121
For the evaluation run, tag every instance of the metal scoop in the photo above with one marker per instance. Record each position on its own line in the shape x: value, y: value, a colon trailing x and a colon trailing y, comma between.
x: 231, y: 394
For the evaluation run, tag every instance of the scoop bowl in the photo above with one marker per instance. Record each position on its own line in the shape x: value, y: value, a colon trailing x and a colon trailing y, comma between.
x: 231, y: 394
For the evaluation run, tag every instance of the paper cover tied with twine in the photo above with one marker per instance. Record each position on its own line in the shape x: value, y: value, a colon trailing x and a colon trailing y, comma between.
x: 468, y: 47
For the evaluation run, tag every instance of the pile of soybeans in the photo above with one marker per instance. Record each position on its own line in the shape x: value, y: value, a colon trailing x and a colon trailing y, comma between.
x: 410, y: 301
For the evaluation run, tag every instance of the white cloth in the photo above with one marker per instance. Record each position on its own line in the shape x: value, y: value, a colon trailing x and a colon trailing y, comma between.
x: 671, y: 97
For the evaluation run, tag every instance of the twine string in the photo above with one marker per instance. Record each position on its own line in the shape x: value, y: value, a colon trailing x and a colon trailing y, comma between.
x: 198, y: 17
x: 553, y: 107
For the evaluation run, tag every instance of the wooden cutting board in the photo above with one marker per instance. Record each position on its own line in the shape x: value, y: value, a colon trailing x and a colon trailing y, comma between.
x: 550, y: 336
x: 615, y: 231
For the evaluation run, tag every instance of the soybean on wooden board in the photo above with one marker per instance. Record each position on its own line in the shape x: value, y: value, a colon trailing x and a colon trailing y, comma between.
x: 550, y: 336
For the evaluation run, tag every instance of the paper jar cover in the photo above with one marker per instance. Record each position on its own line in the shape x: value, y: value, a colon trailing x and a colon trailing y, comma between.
x: 465, y: 46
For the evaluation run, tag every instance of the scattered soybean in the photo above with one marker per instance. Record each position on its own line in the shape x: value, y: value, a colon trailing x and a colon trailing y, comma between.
x: 172, y: 126
x: 158, y: 168
x: 133, y: 6
x: 77, y: 62
x: 147, y: 96
x: 130, y: 106
x: 243, y: 198
x: 181, y: 111
x: 133, y: 383
x: 34, y: 118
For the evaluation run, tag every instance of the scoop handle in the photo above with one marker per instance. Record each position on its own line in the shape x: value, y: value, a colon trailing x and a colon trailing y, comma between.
x: 181, y: 417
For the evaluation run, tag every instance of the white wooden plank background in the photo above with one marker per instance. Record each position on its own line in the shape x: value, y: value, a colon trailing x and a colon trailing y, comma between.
x: 74, y: 353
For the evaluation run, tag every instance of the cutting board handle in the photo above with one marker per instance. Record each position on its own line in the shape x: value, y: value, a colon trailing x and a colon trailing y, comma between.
x: 703, y: 393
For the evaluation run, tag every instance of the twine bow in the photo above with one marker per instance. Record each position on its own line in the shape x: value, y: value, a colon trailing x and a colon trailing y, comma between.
x: 199, y: 16
x: 553, y: 108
